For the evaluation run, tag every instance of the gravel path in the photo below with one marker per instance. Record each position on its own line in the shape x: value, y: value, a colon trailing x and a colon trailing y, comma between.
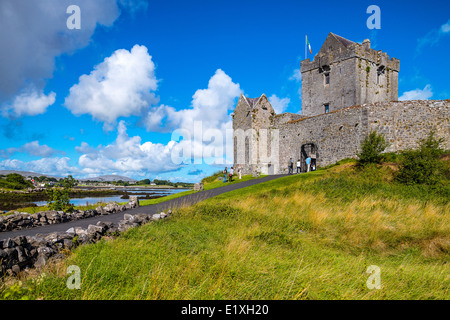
x: 151, y: 209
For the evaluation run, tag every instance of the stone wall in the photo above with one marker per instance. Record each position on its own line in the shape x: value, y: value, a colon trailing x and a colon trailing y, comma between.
x: 405, y: 123
x: 339, y: 93
x: 23, y: 253
x: 19, y: 221
x: 338, y: 135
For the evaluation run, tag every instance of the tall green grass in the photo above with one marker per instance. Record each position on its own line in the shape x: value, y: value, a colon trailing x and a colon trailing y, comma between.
x: 308, y: 236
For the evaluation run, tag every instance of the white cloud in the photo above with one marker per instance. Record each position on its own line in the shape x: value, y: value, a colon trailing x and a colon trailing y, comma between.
x: 433, y: 37
x: 36, y: 33
x: 32, y: 148
x: 29, y: 103
x: 120, y: 86
x: 417, y: 94
x: 130, y: 156
x: 85, y: 148
x: 279, y: 105
x: 162, y: 118
x: 51, y: 166
x: 296, y: 76
x: 208, y: 114
x: 210, y: 106
x: 445, y: 28
x: 127, y: 155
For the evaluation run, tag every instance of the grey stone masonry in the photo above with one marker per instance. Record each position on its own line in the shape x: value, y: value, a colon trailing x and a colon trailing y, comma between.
x: 348, y: 90
x: 345, y: 73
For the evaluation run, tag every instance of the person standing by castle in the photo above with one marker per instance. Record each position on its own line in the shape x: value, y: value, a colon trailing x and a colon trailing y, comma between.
x: 308, y: 163
x: 231, y: 174
x: 291, y: 166
x: 225, y: 174
x: 239, y: 170
x: 299, y: 170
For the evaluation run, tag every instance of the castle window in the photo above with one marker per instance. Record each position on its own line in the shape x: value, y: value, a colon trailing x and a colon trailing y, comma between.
x: 380, y: 71
x: 327, y: 108
x: 327, y: 78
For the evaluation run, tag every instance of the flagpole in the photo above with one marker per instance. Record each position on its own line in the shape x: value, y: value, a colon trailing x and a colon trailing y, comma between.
x: 306, y: 40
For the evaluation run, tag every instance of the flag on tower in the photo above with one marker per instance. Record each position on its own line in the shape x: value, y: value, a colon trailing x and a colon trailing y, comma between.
x: 308, y: 44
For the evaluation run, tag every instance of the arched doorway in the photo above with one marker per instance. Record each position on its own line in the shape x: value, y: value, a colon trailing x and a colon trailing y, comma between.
x: 308, y: 150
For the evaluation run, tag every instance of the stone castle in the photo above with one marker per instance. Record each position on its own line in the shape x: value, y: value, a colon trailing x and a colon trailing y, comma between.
x: 348, y: 90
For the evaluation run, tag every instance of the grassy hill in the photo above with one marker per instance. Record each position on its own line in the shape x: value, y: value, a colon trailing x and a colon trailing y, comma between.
x: 307, y: 236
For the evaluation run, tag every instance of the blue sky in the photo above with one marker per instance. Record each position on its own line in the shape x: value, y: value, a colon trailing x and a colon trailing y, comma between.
x: 105, y: 99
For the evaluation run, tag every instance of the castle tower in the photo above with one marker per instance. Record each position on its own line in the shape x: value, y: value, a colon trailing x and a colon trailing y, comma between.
x: 345, y: 73
x: 252, y: 122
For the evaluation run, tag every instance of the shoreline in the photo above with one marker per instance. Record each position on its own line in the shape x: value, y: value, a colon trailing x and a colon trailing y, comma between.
x: 16, y: 200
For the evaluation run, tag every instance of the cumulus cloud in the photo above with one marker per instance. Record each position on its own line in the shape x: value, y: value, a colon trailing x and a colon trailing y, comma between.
x: 127, y: 155
x: 36, y: 33
x: 121, y: 86
x: 209, y: 106
x: 417, y: 94
x: 29, y: 103
x: 84, y: 148
x: 51, y: 166
x: 206, y: 122
x: 32, y: 148
x: 205, y: 128
x: 279, y: 105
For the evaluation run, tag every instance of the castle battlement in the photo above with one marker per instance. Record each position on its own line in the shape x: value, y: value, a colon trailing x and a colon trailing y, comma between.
x: 331, y: 53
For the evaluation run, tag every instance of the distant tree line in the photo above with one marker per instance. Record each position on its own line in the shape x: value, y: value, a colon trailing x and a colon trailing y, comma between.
x: 145, y: 182
x: 44, y: 179
x: 173, y: 184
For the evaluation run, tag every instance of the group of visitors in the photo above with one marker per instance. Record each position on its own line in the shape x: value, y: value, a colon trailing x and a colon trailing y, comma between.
x: 228, y: 175
x: 309, y: 166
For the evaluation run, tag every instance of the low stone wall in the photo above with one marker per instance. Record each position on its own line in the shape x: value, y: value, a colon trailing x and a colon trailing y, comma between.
x: 19, y: 221
x: 22, y: 253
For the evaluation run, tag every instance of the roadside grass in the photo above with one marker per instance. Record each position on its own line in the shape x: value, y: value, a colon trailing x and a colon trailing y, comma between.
x: 208, y: 184
x: 32, y: 210
x: 218, y: 182
x: 307, y: 236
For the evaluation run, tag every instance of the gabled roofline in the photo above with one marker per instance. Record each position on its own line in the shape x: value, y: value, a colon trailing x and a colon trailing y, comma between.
x: 257, y: 101
x: 338, y: 38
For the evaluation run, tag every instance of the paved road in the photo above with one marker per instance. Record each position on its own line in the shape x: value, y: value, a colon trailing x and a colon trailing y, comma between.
x: 152, y: 209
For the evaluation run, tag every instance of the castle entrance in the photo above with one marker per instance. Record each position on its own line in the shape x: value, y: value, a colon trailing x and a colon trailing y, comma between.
x: 308, y: 150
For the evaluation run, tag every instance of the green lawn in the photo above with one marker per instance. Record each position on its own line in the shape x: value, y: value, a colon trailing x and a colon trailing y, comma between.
x: 206, y: 186
x: 308, y: 236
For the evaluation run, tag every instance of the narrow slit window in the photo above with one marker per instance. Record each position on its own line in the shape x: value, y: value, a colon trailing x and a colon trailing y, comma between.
x: 327, y: 78
x: 327, y: 108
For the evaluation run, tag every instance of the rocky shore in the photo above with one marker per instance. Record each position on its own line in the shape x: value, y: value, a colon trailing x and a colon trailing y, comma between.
x: 19, y: 221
